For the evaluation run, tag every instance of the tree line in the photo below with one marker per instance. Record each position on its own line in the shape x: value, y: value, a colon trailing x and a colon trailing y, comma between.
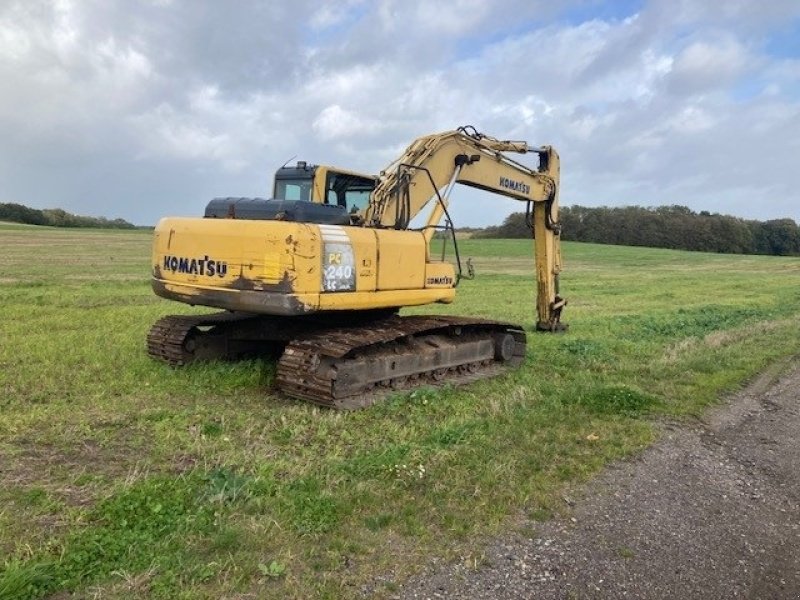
x: 56, y: 217
x: 676, y: 227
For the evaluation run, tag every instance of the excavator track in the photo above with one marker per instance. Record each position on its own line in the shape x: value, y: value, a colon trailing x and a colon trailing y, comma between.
x: 347, y: 368
x: 181, y: 339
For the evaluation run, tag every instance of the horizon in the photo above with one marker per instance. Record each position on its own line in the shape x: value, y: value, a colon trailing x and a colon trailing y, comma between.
x: 457, y: 227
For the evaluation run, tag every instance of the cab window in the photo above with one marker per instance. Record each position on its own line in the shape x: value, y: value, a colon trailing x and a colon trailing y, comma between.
x: 349, y: 191
x: 293, y: 189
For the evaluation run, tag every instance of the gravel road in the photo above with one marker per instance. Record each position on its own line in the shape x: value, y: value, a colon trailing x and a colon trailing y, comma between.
x: 711, y: 511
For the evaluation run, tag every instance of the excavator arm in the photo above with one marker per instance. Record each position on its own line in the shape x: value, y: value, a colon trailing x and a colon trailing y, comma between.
x: 430, y: 167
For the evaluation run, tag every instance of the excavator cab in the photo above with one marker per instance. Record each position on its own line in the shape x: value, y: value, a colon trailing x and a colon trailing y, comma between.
x: 295, y: 183
x: 322, y: 184
x: 303, y: 193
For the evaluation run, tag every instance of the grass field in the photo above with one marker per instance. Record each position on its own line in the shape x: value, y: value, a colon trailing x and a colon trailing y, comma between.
x: 120, y: 477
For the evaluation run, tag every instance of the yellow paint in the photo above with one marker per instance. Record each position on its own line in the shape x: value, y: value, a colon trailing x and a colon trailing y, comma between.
x: 195, y: 294
x: 439, y: 275
x: 365, y: 247
x: 383, y: 299
x: 401, y: 259
x: 267, y: 256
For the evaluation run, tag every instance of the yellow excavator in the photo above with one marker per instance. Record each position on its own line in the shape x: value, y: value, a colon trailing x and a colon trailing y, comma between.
x: 318, y: 273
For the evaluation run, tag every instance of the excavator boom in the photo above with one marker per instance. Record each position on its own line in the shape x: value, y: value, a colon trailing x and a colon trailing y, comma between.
x: 431, y: 165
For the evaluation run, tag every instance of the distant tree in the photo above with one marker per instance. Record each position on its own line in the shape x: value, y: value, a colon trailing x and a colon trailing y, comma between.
x: 17, y: 213
x: 673, y: 226
x: 56, y: 217
x: 780, y: 236
x: 514, y: 226
x: 730, y: 235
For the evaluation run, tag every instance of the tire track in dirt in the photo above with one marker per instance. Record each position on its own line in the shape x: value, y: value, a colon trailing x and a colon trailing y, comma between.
x: 711, y: 511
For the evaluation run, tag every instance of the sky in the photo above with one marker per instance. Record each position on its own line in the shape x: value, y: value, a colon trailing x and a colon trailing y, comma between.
x: 139, y: 109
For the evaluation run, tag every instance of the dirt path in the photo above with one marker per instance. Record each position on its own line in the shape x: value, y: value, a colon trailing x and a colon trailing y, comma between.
x: 710, y: 511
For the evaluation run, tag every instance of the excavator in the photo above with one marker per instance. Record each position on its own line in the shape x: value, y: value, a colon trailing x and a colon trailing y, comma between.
x: 318, y: 273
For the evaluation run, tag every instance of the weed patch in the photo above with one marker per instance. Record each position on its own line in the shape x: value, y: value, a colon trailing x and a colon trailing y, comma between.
x: 617, y: 400
x: 140, y: 525
x: 311, y: 509
x: 376, y: 463
x: 692, y: 322
x: 452, y: 435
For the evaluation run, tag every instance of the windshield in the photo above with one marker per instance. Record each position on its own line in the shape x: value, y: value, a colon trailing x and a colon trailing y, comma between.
x: 293, y: 189
x: 350, y: 191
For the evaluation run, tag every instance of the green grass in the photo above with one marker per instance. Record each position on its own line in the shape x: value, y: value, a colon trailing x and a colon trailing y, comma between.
x: 121, y: 477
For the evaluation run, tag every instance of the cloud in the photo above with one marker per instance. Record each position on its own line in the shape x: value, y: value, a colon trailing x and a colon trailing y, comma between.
x: 333, y: 122
x: 706, y: 65
x: 135, y: 110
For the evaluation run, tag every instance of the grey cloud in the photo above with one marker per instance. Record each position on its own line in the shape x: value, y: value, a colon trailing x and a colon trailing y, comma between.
x: 709, y: 64
x: 137, y: 110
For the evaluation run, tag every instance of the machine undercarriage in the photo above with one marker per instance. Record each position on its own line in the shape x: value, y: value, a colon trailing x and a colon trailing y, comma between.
x: 346, y: 367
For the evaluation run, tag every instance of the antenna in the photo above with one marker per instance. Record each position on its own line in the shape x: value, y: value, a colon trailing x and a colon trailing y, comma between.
x: 288, y: 161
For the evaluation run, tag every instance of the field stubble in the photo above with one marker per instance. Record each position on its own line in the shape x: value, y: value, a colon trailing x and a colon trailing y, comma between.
x: 121, y: 476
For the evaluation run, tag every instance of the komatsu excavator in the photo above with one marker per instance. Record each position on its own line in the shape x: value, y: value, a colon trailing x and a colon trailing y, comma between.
x: 318, y: 273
